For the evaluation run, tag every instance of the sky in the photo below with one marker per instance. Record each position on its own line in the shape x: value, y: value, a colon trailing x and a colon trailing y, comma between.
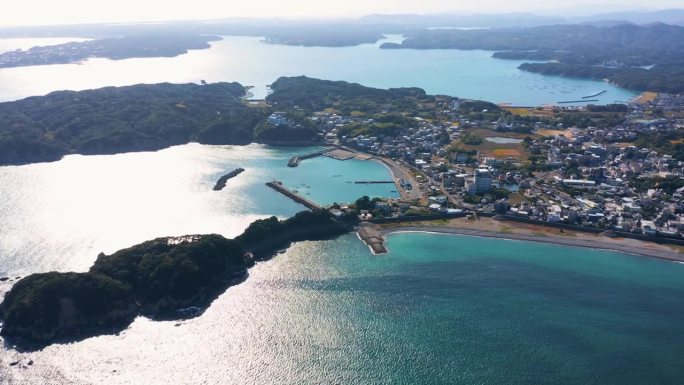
x: 48, y: 12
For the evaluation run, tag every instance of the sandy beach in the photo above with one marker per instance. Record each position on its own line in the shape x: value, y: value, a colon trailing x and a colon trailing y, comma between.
x: 490, y: 228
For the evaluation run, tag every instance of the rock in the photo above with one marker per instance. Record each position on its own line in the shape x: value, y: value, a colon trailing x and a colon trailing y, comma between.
x: 14, y: 363
x: 3, y: 279
x: 30, y: 362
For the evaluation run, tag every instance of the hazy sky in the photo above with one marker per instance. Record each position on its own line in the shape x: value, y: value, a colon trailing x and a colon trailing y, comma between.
x: 33, y: 12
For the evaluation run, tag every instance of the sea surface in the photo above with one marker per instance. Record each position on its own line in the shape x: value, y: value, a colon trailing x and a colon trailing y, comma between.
x: 435, y: 310
x: 467, y: 74
x: 60, y: 215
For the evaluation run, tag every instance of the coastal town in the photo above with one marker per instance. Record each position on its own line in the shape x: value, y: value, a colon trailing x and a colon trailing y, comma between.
x: 614, y: 168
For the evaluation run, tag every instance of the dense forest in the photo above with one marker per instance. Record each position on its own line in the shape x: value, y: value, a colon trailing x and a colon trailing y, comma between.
x: 316, y: 95
x: 662, y: 77
x: 151, y: 117
x: 158, y: 279
x: 613, y: 52
x: 134, y: 118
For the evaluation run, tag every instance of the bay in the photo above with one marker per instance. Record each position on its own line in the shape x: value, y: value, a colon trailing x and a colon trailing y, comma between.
x: 467, y: 74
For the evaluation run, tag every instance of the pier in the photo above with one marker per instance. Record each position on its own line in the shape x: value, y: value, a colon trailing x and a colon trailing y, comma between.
x: 295, y: 160
x: 579, y: 101
x: 278, y: 186
x: 374, y: 182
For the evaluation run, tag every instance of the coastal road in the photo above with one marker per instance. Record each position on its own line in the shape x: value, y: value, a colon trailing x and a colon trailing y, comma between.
x: 399, y: 172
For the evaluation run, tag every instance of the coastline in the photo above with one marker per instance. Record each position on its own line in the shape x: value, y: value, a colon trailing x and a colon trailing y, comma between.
x: 599, y: 243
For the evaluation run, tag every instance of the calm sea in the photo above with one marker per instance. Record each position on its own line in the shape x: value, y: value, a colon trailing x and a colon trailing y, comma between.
x: 466, y: 74
x: 435, y: 310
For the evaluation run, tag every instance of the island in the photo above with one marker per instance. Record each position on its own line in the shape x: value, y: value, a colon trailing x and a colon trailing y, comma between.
x: 115, y: 48
x: 165, y: 278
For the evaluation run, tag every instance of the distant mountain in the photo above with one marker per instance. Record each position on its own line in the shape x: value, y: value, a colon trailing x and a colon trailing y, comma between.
x: 668, y: 16
x: 462, y: 20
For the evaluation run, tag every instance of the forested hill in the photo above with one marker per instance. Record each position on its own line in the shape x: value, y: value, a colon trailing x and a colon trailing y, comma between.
x: 315, y: 95
x: 151, y: 117
x: 122, y: 119
x: 613, y: 52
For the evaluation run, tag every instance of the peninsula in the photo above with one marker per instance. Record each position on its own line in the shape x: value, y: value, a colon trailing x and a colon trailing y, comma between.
x: 159, y: 279
x: 118, y: 48
x: 134, y: 118
x: 148, y: 117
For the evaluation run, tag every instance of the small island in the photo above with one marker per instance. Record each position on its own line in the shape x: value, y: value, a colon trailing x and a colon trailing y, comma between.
x: 159, y: 279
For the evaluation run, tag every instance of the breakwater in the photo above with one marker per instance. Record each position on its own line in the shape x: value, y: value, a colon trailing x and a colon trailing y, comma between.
x: 579, y: 101
x: 278, y: 186
x: 221, y: 182
x: 295, y: 160
x: 374, y: 181
x: 594, y: 95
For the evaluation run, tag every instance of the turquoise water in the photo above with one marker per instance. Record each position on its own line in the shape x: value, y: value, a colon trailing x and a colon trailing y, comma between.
x: 466, y: 74
x: 435, y: 310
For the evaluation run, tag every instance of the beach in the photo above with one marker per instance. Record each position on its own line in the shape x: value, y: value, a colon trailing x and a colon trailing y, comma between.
x: 491, y: 228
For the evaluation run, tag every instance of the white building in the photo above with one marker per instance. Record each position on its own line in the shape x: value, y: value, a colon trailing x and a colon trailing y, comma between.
x: 481, y: 183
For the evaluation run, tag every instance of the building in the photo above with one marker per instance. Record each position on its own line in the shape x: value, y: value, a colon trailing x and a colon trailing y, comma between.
x: 481, y: 183
x: 277, y: 119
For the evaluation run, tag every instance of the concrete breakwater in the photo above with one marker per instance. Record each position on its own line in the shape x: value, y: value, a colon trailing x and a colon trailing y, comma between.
x: 295, y: 160
x: 278, y: 186
x: 370, y: 235
x: 374, y: 182
x: 221, y: 182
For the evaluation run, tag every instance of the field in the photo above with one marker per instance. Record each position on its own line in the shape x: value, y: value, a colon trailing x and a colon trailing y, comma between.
x: 497, y: 150
x: 526, y: 111
x: 506, y: 153
x: 646, y: 97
